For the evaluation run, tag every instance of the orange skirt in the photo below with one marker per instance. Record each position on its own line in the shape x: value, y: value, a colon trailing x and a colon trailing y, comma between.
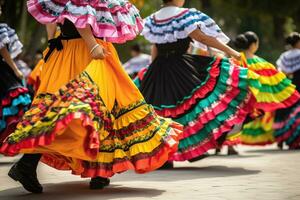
x: 90, y: 118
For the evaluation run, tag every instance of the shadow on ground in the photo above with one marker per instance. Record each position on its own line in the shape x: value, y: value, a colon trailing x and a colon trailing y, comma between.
x: 272, y: 151
x: 240, y: 156
x: 79, y: 191
x: 187, y: 173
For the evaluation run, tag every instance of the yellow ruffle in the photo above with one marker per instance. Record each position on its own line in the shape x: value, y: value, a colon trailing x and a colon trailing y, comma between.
x: 143, y: 147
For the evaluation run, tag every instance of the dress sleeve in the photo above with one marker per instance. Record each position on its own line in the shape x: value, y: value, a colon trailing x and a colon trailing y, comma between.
x: 181, y: 26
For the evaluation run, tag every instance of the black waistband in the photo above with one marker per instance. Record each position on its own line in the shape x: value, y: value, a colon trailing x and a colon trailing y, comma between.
x: 56, y: 43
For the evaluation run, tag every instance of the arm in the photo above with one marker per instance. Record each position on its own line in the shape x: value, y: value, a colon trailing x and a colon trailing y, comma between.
x: 199, y: 36
x: 97, y: 51
x: 153, y: 52
x: 51, y: 30
x: 6, y: 55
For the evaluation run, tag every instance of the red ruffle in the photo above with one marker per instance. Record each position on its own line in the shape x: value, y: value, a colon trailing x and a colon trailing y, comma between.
x: 6, y: 101
x: 35, y: 83
x: 289, y: 133
x: 270, y: 107
x: 258, y: 144
x: 266, y: 72
x: 210, y: 115
x: 202, y: 148
x: 142, y: 165
x: 232, y: 142
x: 199, y: 94
x: 91, y: 144
x: 295, y: 144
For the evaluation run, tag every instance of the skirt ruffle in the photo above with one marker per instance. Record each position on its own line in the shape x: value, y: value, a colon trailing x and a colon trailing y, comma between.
x: 12, y: 109
x: 259, y: 131
x: 86, y: 126
x: 210, y: 96
x: 117, y: 21
x: 218, y: 101
x: 286, y: 126
x: 272, y: 89
x: 14, y: 101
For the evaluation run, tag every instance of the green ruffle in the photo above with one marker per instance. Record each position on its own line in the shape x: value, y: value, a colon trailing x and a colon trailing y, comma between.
x: 231, y: 110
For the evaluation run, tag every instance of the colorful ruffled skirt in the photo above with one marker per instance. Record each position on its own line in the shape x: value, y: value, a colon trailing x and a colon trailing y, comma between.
x: 90, y: 118
x: 206, y: 95
x: 14, y: 100
x: 287, y: 126
x: 209, y: 96
x: 259, y: 131
x: 275, y: 87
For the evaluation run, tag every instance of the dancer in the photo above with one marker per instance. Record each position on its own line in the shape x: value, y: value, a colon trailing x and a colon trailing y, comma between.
x: 260, y: 130
x: 207, y: 95
x: 287, y: 121
x: 87, y: 115
x: 14, y: 97
x: 138, y: 61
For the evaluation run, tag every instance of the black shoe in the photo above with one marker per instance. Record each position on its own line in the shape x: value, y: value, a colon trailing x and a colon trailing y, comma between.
x: 167, y: 165
x: 99, y: 183
x: 198, y: 158
x: 218, y: 151
x: 26, y: 178
x: 232, y: 151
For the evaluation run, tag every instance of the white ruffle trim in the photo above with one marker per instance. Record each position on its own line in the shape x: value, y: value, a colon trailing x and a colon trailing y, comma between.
x: 289, y: 61
x: 168, y: 32
x: 9, y: 39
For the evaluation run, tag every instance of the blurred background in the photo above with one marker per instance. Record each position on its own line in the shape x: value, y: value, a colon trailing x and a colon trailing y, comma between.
x: 271, y: 20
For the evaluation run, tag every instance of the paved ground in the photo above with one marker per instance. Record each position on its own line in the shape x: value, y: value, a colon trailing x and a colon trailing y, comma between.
x: 256, y: 174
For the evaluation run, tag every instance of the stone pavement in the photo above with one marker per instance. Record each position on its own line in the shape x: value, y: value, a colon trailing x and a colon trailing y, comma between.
x: 256, y: 174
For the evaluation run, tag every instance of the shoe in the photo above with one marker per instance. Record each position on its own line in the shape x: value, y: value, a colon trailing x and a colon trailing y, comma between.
x: 27, y: 178
x: 199, y: 158
x: 167, y: 165
x: 232, y: 151
x: 99, y: 183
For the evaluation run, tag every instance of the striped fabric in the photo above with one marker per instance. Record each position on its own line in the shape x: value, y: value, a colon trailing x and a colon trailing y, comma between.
x: 180, y: 26
x: 289, y: 61
x: 9, y: 38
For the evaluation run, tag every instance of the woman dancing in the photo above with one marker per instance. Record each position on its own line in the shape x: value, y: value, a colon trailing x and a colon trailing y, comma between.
x: 14, y: 97
x: 87, y: 115
x: 287, y: 121
x: 207, y: 95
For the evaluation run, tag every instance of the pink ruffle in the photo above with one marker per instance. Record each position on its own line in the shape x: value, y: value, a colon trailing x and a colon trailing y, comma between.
x: 118, y: 32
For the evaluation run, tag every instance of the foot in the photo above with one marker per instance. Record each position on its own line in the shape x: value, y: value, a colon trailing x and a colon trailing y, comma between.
x: 218, y: 151
x: 232, y: 151
x: 198, y: 158
x: 280, y: 145
x: 167, y: 165
x: 99, y: 183
x: 26, y: 177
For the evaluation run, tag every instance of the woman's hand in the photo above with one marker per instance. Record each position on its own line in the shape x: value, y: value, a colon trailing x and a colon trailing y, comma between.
x: 199, y: 36
x: 96, y: 50
x: 19, y: 74
x: 99, y: 52
x: 235, y: 54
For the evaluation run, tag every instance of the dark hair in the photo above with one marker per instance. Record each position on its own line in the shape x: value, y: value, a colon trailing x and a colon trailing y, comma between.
x: 244, y: 41
x: 293, y: 39
x: 136, y: 48
x: 167, y: 1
